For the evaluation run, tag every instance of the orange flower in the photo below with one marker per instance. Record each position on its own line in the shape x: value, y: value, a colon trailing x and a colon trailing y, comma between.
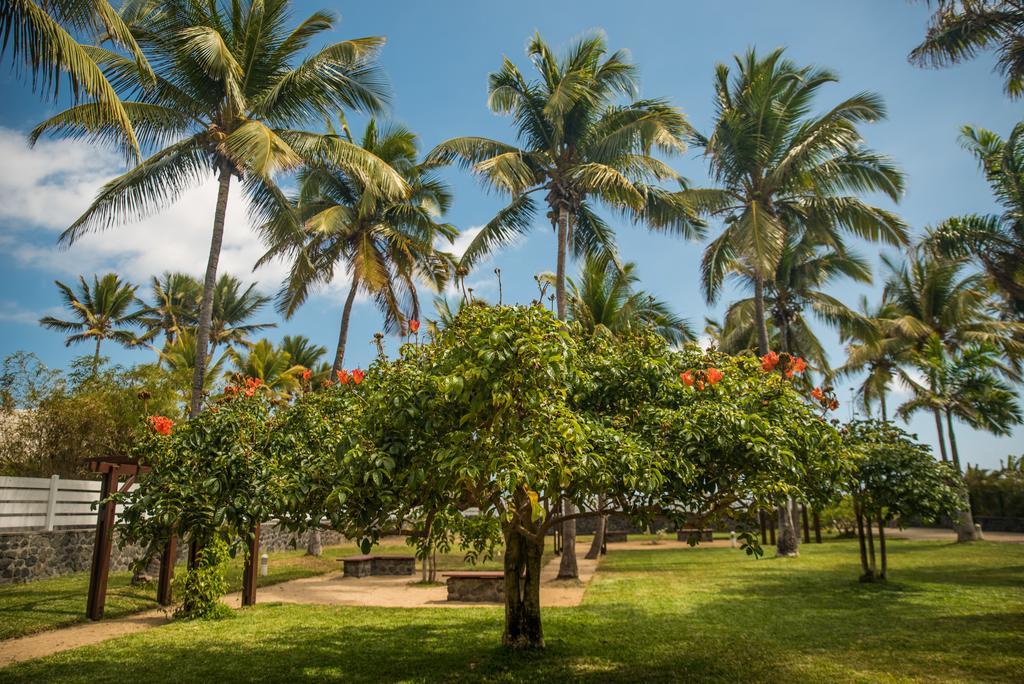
x: 343, y: 377
x: 834, y: 404
x: 796, y: 365
x: 327, y: 383
x: 713, y: 375
x: 818, y: 394
x: 161, y: 425
x: 306, y: 375
x: 769, y: 361
x: 687, y: 378
x: 414, y: 326
x: 700, y: 384
x: 251, y: 385
x: 357, y: 376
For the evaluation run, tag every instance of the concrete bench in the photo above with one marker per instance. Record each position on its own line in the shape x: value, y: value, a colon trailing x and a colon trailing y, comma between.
x: 613, y: 537
x: 476, y: 587
x: 364, y: 566
x: 702, y: 535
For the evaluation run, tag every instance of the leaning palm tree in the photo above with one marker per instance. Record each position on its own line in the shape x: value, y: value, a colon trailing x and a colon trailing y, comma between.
x: 604, y: 300
x: 993, y: 241
x: 106, y: 310
x: 803, y: 275
x: 960, y: 29
x: 175, y: 305
x: 233, y: 309
x: 965, y: 384
x: 580, y: 148
x: 782, y: 172
x: 43, y: 49
x: 385, y: 245
x: 228, y: 96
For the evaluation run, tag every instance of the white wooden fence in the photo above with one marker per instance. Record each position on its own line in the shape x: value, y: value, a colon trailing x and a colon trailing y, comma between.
x: 46, y: 503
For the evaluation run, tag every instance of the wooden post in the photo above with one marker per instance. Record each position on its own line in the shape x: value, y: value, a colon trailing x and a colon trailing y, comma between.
x: 807, y: 525
x: 252, y: 561
x: 817, y: 528
x: 170, y: 554
x: 764, y: 526
x: 101, y: 549
x: 51, y: 502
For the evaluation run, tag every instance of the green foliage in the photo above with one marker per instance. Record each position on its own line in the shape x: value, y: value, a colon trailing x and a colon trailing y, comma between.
x: 897, y: 477
x: 202, y: 586
x: 997, y: 492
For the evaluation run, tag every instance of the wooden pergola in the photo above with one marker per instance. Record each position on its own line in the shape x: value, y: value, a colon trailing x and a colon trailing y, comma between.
x: 113, y: 469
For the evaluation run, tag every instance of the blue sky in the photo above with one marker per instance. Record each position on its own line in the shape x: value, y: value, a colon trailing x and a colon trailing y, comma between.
x: 437, y: 59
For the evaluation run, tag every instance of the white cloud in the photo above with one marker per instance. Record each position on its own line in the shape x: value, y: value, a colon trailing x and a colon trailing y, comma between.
x: 46, y: 188
x: 462, y: 242
x: 11, y: 312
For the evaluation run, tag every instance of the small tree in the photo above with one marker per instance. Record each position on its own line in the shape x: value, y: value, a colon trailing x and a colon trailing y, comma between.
x: 895, y: 478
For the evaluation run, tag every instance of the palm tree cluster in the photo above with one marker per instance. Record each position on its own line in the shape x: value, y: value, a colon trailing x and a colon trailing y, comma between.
x: 238, y: 94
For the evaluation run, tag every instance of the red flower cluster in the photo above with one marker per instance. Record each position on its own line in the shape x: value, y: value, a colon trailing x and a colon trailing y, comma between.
x: 356, y: 376
x: 769, y: 361
x: 306, y: 375
x: 342, y: 376
x: 162, y: 425
x: 251, y: 385
x: 826, y: 398
x: 701, y: 378
x: 792, y: 365
x: 414, y: 326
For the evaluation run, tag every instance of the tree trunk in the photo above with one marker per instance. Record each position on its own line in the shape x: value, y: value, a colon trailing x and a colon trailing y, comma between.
x: 522, y: 591
x: 760, y: 322
x: 953, y: 451
x: 817, y: 527
x: 807, y: 525
x: 881, y: 549
x: 567, y: 567
x: 602, y: 524
x: 965, y: 530
x: 96, y: 360
x: 942, y: 437
x: 771, y: 529
x: 871, y: 545
x: 209, y: 285
x: 346, y: 313
x: 866, y: 575
x: 562, y: 236
x: 881, y: 403
x: 761, y: 519
x: 789, y: 543
x: 314, y: 543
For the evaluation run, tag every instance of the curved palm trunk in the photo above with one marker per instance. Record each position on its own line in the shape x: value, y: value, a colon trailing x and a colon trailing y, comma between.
x: 965, y: 530
x: 942, y: 437
x: 881, y: 402
x: 96, y: 359
x: 567, y: 567
x: 346, y: 313
x: 209, y: 284
x: 761, y: 323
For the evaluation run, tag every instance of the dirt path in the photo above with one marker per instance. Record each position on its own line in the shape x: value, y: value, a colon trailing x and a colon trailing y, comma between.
x: 940, y: 534
x: 331, y: 589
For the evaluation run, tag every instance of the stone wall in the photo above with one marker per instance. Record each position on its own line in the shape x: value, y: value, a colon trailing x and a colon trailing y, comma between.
x: 33, y: 555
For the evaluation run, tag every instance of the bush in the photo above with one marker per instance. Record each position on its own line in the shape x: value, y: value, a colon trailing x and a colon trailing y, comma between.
x: 202, y: 586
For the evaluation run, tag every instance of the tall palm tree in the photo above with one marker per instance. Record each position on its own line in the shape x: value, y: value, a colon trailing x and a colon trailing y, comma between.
x: 960, y: 29
x: 228, y: 96
x: 43, y: 49
x: 233, y: 308
x: 580, y: 148
x: 804, y: 273
x: 873, y: 348
x: 175, y: 305
x: 106, y: 310
x: 994, y: 241
x: 384, y: 244
x: 604, y: 300
x: 782, y: 171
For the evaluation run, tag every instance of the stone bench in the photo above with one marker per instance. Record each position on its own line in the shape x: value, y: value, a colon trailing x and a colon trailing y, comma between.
x: 702, y: 535
x: 364, y: 566
x: 613, y: 537
x: 476, y: 586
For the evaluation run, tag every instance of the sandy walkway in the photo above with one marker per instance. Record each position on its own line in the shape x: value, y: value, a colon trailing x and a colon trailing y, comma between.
x: 940, y: 534
x: 331, y: 589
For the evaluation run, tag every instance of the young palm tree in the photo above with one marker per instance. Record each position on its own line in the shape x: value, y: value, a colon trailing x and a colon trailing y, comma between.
x: 384, y: 244
x: 783, y: 172
x: 580, y: 148
x: 179, y: 358
x: 175, y: 305
x: 103, y: 311
x: 229, y: 93
x: 960, y: 29
x: 272, y: 365
x: 604, y: 300
x: 302, y: 351
x: 43, y: 49
x: 233, y: 308
x: 804, y: 272
x: 873, y: 349
x: 994, y: 241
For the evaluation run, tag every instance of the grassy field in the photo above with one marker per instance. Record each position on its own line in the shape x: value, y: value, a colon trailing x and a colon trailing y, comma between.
x: 60, y: 601
x: 949, y: 613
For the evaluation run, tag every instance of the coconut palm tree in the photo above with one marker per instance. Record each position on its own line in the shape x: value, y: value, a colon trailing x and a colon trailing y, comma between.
x: 804, y: 273
x: 782, y: 172
x: 302, y: 351
x: 229, y: 97
x: 994, y: 241
x: 106, y: 310
x: 960, y: 29
x: 43, y: 50
x: 604, y: 300
x: 179, y: 358
x: 233, y: 308
x: 875, y: 350
x: 580, y: 148
x: 384, y: 244
x: 272, y: 365
x: 175, y: 305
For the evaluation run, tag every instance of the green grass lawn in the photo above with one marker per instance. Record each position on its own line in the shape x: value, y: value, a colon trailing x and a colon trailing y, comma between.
x: 55, y: 602
x: 950, y: 613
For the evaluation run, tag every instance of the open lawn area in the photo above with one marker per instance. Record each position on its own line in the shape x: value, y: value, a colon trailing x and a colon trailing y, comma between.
x: 950, y: 612
x: 56, y: 602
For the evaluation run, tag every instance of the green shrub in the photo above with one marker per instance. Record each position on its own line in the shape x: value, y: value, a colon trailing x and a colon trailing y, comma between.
x: 201, y: 587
